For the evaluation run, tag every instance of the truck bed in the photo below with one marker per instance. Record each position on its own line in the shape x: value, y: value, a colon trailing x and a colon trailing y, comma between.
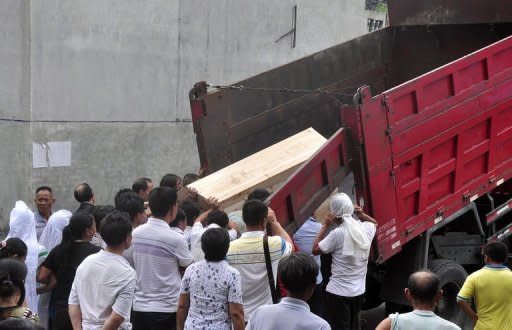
x: 231, y: 124
x: 428, y: 131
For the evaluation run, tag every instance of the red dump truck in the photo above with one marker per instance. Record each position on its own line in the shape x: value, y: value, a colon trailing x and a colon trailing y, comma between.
x: 419, y: 113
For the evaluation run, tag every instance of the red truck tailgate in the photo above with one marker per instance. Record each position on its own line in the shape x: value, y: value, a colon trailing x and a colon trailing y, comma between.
x: 437, y: 142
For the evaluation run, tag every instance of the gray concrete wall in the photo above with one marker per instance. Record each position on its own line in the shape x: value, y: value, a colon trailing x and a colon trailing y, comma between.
x: 113, y: 78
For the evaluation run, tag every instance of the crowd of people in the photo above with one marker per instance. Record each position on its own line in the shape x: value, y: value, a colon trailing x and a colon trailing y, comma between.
x: 154, y: 261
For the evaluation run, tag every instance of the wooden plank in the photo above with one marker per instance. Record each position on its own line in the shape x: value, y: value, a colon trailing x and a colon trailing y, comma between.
x: 264, y: 169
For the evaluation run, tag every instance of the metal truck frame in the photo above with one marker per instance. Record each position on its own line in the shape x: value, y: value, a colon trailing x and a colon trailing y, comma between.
x: 430, y: 150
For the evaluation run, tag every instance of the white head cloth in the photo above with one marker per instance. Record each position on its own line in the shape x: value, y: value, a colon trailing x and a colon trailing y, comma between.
x: 23, y: 226
x: 356, y: 242
x: 52, y: 233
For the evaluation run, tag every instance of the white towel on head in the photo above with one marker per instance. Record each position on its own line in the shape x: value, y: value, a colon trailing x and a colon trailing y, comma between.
x: 356, y: 242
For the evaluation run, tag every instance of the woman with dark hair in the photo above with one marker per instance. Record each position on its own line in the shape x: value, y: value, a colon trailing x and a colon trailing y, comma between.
x: 211, y: 290
x: 61, y: 264
x: 13, y: 248
x: 11, y: 299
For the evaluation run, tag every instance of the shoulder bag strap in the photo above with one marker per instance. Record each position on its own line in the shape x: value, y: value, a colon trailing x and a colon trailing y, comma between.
x: 270, y: 274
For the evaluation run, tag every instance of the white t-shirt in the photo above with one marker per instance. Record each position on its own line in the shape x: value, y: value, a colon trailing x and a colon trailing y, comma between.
x: 195, y: 238
x: 158, y: 252
x: 104, y: 282
x: 348, y: 277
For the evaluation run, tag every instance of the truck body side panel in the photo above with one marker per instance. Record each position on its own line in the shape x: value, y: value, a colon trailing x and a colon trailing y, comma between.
x: 449, y: 141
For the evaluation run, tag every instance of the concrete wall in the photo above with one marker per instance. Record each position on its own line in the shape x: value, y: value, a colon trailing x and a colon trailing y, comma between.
x: 113, y: 78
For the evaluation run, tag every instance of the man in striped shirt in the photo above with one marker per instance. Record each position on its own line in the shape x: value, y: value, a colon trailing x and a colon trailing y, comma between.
x: 158, y: 254
x: 247, y: 256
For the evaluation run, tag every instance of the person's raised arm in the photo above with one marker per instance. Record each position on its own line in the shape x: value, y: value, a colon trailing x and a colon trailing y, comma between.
x: 236, y: 311
x: 75, y: 315
x: 321, y: 234
x: 276, y: 227
x: 363, y: 216
x: 183, y: 306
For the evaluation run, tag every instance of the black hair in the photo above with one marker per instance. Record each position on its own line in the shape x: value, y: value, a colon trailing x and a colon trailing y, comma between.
x: 180, y: 216
x: 191, y: 210
x: 141, y: 184
x: 162, y: 200
x: 115, y: 228
x: 423, y: 286
x: 119, y: 194
x: 218, y: 217
x: 189, y: 178
x: 42, y: 188
x: 496, y: 251
x: 130, y: 203
x: 10, y: 286
x: 169, y: 180
x: 215, y: 244
x: 13, y: 247
x: 75, y: 230
x: 254, y: 212
x: 100, y: 212
x: 83, y: 192
x: 259, y: 194
x: 19, y: 324
x: 298, y: 272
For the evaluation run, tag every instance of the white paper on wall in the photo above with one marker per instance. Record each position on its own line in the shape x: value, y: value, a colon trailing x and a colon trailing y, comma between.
x: 59, y: 153
x: 39, y: 155
x: 51, y: 154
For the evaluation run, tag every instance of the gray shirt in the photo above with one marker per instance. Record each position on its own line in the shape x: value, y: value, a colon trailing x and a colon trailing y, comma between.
x: 40, y: 224
x: 290, y: 313
x: 420, y: 320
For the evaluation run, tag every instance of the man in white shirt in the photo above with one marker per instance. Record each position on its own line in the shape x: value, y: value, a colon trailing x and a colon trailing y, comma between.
x: 298, y: 273
x: 246, y: 254
x: 102, y: 292
x: 215, y: 219
x: 349, y: 243
x: 158, y: 254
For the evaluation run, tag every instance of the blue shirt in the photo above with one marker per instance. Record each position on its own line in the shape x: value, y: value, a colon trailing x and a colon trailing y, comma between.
x: 290, y: 313
x: 304, y: 238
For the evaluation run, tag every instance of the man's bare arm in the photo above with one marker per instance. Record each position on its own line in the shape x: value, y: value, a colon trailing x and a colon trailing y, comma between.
x: 384, y: 325
x: 75, y: 315
x: 466, y: 307
x: 113, y: 322
x: 276, y: 227
x: 321, y: 234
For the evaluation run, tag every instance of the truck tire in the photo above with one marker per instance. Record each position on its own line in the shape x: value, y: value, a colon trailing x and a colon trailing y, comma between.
x: 451, y: 277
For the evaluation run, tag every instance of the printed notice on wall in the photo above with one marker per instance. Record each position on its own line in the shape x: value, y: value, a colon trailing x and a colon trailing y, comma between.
x: 51, y: 154
x: 39, y: 158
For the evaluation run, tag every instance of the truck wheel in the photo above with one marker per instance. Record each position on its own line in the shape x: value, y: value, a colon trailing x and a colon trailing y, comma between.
x: 451, y: 277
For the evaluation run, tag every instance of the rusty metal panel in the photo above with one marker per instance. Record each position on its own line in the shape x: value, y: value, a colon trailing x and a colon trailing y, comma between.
x: 429, y: 12
x: 232, y: 124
